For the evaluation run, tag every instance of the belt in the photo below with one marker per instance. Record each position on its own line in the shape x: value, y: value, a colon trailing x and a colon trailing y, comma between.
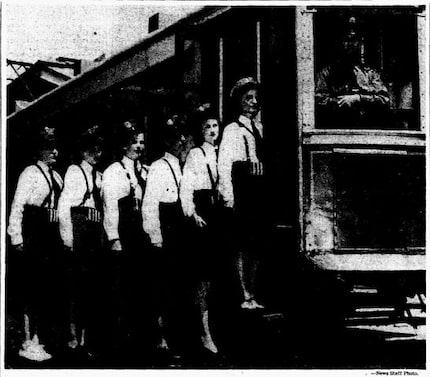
x: 89, y: 214
x: 40, y: 214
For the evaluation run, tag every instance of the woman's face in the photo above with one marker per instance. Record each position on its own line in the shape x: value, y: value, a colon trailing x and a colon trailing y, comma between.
x: 93, y: 156
x: 250, y: 105
x: 48, y: 156
x: 178, y: 146
x: 134, y: 150
x: 210, y: 129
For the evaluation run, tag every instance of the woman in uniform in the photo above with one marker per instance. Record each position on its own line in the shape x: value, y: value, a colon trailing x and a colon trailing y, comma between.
x: 198, y: 195
x: 33, y: 228
x: 241, y: 183
x: 79, y: 211
x: 163, y: 222
x: 123, y: 187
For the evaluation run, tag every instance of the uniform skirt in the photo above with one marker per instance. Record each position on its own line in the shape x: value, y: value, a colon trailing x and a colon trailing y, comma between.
x: 43, y: 276
x: 85, y: 264
x: 250, y: 211
x: 128, y: 279
x: 204, y: 242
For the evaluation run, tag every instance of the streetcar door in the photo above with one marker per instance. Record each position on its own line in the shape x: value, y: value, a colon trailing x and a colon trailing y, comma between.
x: 260, y: 42
x: 257, y: 42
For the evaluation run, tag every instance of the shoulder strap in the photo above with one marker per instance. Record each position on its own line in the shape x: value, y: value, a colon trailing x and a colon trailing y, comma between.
x: 173, y: 173
x: 213, y: 183
x: 123, y: 166
x: 129, y: 178
x: 87, y: 193
x: 246, y: 128
x: 244, y: 138
x: 48, y: 197
x: 140, y: 181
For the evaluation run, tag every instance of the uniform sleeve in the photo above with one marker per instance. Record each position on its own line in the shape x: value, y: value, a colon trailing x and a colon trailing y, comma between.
x: 110, y: 194
x: 322, y: 92
x: 379, y: 88
x: 23, y: 192
x: 226, y: 158
x: 72, y: 195
x: 189, y: 177
x: 151, y: 202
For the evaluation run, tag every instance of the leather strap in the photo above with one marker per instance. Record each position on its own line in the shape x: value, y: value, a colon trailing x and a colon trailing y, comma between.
x: 173, y: 173
x: 213, y: 182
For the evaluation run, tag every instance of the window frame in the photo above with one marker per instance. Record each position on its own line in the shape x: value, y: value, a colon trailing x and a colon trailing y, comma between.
x: 305, y: 50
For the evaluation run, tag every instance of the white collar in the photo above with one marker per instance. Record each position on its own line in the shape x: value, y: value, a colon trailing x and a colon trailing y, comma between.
x: 87, y: 166
x: 44, y: 167
x: 247, y: 123
x: 208, y: 147
x: 170, y: 157
x: 128, y: 162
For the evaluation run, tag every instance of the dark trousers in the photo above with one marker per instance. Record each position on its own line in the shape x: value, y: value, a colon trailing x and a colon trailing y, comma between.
x: 205, y: 249
x: 43, y: 278
x: 118, y: 308
x: 85, y: 275
x: 250, y: 212
x: 170, y: 287
x: 127, y: 276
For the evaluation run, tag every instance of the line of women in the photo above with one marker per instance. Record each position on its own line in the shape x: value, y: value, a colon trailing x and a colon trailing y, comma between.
x: 145, y: 217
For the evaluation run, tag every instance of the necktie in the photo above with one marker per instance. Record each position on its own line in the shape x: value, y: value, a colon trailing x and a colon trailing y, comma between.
x: 96, y: 192
x: 137, y: 173
x: 258, y: 141
x: 55, y: 187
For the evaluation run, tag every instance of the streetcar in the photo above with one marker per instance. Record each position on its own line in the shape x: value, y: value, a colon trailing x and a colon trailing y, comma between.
x: 348, y: 199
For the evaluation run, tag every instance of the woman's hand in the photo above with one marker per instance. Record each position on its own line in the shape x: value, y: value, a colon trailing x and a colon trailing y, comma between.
x: 116, y: 245
x: 67, y: 249
x: 199, y: 221
x: 256, y: 168
x: 19, y: 247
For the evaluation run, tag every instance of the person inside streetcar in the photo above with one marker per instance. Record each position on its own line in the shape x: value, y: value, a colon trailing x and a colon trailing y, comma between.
x: 349, y: 93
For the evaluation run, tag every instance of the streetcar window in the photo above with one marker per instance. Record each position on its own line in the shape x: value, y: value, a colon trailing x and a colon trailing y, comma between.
x: 366, y: 68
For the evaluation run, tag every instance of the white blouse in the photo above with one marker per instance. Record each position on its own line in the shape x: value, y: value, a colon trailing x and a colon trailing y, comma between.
x: 32, y: 189
x: 115, y: 186
x: 160, y: 188
x: 75, y: 187
x: 196, y: 176
x: 232, y: 149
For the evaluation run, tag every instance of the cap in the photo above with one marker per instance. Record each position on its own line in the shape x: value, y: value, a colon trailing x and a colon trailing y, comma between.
x: 243, y: 84
x: 90, y: 138
x: 203, y: 113
x: 45, y: 138
x: 173, y: 129
x: 126, y: 132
